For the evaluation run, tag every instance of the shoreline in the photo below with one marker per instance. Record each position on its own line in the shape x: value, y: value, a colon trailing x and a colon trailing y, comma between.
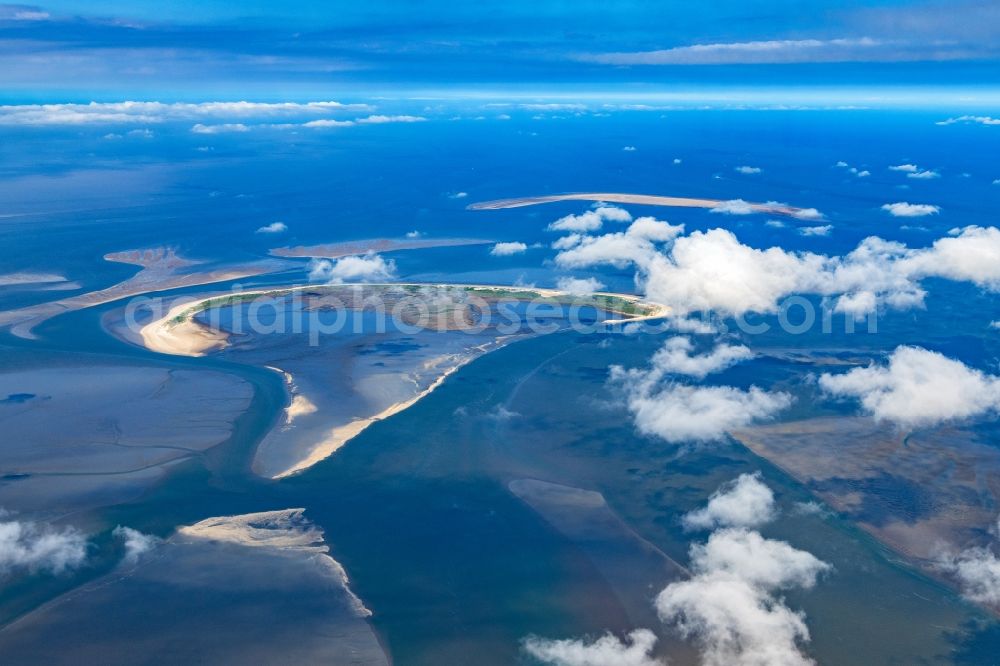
x: 339, y: 436
x: 178, y: 333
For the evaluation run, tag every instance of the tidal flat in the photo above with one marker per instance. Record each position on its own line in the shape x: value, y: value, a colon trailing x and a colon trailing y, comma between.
x: 77, y: 437
x: 257, y: 588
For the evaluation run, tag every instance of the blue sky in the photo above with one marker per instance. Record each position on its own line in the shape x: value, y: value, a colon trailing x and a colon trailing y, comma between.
x: 189, y: 49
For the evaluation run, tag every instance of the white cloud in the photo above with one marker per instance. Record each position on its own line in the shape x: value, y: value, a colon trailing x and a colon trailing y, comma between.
x: 22, y: 13
x: 677, y: 160
x: 730, y: 605
x: 733, y: 207
x: 629, y: 149
x: 995, y: 324
x: 801, y: 213
x: 618, y: 249
x: 758, y: 52
x: 327, y: 122
x: 579, y: 286
x: 841, y: 164
x: 748, y: 170
x: 918, y: 388
x: 653, y: 230
x: 681, y: 413
x: 592, y: 220
x: 136, y: 543
x: 822, y: 230
x: 413, y: 234
x: 608, y: 650
x: 458, y: 195
x: 508, y: 249
x: 363, y: 268
x: 200, y: 128
x: 273, y: 228
x: 713, y: 271
x: 744, y: 502
x: 909, y: 168
x: 776, y: 224
x: 34, y: 547
x: 924, y: 175
x: 982, y: 120
x: 381, y: 119
x: 675, y: 358
x: 978, y: 573
x: 904, y: 209
x: 156, y: 112
x: 758, y: 561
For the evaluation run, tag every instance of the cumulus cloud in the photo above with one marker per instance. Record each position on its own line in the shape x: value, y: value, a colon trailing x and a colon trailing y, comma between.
x: 904, y: 209
x: 579, y: 286
x: 748, y: 170
x: 458, y: 195
x: 733, y: 207
x: 619, y: 248
x: 381, y: 119
x: 608, y: 650
x: 33, y: 547
x: 222, y: 128
x: 675, y: 357
x: 918, y: 388
x: 508, y: 249
x: 924, y: 175
x: 860, y: 173
x: 355, y: 268
x: 327, y: 122
x: 747, y: 555
x: 801, y: 213
x: 730, y: 606
x: 629, y: 149
x: 273, y: 228
x: 651, y: 229
x: 978, y: 573
x: 908, y: 168
x: 744, y: 502
x: 135, y: 542
x: 592, y: 220
x: 982, y: 120
x: 822, y: 230
x: 712, y: 271
x: 156, y: 112
x: 682, y: 413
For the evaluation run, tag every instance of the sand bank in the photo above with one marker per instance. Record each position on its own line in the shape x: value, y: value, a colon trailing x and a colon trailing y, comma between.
x: 162, y: 269
x: 181, y: 335
x: 349, y: 248
x: 341, y: 435
x: 641, y: 199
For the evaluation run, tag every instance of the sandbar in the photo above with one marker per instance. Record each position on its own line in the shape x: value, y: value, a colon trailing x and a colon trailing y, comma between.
x: 641, y: 199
